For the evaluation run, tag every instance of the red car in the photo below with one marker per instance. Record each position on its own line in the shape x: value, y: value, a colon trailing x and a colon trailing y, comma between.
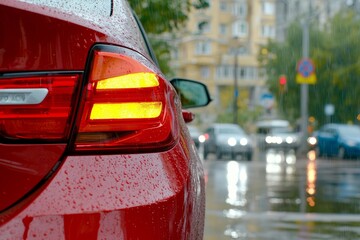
x: 93, y: 137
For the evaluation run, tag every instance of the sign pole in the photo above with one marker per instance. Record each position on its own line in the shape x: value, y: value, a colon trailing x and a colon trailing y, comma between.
x: 305, y: 87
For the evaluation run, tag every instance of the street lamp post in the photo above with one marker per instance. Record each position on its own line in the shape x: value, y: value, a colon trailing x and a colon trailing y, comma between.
x: 236, y: 92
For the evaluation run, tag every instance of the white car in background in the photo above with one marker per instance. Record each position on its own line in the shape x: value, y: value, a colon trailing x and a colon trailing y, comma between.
x: 276, y: 134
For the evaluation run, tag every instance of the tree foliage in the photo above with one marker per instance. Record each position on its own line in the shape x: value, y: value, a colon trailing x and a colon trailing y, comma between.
x: 163, y: 16
x: 335, y: 52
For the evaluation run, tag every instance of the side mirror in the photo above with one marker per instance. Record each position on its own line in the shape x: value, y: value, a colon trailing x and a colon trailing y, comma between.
x: 192, y: 93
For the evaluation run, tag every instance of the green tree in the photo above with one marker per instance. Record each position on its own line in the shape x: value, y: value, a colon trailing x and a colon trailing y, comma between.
x: 162, y: 16
x: 336, y: 54
x: 338, y: 62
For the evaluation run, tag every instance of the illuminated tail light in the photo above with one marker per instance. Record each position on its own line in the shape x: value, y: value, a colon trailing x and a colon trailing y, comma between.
x: 127, y: 105
x: 37, y: 107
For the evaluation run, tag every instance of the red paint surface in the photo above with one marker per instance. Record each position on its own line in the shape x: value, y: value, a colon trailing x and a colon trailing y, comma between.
x: 22, y: 167
x: 114, y: 196
x: 82, y: 226
x: 143, y: 196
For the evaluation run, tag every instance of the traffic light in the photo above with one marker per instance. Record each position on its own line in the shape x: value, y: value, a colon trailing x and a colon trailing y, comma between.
x: 282, y: 83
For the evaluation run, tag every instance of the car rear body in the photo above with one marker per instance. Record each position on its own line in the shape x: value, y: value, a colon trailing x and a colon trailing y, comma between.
x: 70, y: 168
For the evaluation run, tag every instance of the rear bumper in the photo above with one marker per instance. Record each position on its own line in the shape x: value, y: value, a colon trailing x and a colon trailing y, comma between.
x: 282, y: 145
x: 141, y: 196
x: 353, y: 151
x: 235, y: 150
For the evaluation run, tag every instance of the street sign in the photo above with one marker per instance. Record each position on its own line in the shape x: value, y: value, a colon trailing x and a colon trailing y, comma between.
x: 329, y: 109
x: 267, y: 100
x: 305, y: 72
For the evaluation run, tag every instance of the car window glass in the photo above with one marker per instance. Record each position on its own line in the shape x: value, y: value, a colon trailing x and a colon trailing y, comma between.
x: 350, y: 131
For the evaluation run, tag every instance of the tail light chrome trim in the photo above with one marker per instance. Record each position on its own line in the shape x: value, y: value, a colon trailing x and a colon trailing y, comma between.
x: 22, y: 96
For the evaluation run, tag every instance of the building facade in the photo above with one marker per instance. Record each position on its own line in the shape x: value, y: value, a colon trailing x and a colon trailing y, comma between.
x: 320, y: 11
x: 219, y: 46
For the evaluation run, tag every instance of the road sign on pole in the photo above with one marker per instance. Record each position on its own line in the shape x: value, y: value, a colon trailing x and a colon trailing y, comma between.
x: 305, y: 72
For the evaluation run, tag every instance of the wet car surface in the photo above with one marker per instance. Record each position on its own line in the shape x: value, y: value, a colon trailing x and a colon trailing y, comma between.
x: 94, y: 143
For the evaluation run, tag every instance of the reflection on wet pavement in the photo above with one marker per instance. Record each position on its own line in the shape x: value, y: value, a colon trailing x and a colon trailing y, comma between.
x: 278, y: 196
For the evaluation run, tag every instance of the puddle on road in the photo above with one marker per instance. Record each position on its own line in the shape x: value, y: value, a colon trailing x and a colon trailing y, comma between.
x: 280, y: 197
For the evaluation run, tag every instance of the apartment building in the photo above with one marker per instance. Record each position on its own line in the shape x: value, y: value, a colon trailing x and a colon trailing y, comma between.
x: 288, y: 11
x: 219, y: 47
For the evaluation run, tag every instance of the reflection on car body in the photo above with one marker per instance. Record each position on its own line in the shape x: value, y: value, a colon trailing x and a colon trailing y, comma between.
x: 227, y: 139
x: 339, y: 140
x: 195, y: 135
x: 104, y: 153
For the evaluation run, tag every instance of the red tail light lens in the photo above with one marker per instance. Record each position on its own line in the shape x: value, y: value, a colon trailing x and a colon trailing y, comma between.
x: 36, y: 107
x: 126, y: 106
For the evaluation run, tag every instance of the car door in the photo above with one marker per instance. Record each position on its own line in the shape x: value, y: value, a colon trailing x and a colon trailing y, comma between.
x: 328, y: 141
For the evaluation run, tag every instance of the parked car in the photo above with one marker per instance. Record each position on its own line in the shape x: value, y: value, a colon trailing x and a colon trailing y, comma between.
x: 227, y: 139
x: 276, y: 134
x: 339, y: 140
x: 94, y: 143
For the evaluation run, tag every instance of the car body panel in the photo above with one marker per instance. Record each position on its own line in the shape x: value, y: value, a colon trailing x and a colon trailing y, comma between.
x: 333, y: 138
x: 22, y: 167
x: 71, y: 23
x: 155, y: 194
x: 127, y: 193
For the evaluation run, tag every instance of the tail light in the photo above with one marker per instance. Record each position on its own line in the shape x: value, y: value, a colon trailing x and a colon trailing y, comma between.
x: 37, y: 107
x: 126, y: 106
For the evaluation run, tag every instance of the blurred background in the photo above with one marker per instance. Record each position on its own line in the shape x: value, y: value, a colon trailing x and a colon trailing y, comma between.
x: 286, y: 72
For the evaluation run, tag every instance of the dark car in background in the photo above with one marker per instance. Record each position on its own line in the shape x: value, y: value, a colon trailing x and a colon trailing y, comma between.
x: 93, y: 139
x: 340, y: 140
x: 227, y: 139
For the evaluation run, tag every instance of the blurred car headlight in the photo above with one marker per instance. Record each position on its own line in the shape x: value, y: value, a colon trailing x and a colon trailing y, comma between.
x: 231, y: 141
x: 273, y: 139
x: 268, y: 139
x: 312, y: 140
x: 289, y: 140
x: 202, y: 138
x: 243, y: 141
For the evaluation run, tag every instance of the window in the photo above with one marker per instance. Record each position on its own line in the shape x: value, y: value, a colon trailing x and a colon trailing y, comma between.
x: 240, y: 29
x: 224, y: 72
x: 268, y: 8
x: 205, y: 72
x: 203, y: 47
x: 268, y: 31
x: 240, y: 9
x: 223, y: 6
x: 241, y: 51
x: 223, y: 29
x: 203, y: 27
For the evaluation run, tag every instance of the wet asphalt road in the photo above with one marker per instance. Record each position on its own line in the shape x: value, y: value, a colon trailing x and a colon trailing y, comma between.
x: 278, y: 196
